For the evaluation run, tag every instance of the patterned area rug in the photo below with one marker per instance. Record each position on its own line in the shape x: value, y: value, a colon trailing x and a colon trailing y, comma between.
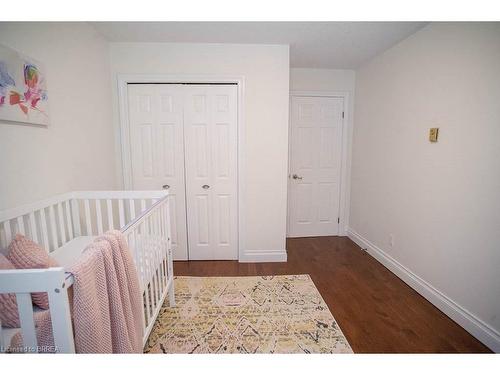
x: 269, y: 314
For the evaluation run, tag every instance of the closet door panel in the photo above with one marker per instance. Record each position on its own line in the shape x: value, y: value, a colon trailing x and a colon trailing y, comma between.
x: 224, y: 155
x: 202, y: 229
x: 157, y: 150
x: 200, y: 132
x: 167, y: 137
x: 210, y: 123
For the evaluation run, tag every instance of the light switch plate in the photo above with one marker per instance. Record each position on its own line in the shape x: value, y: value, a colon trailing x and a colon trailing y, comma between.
x: 433, y: 134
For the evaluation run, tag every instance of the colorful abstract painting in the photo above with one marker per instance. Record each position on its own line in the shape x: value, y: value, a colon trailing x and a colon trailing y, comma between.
x: 23, y: 89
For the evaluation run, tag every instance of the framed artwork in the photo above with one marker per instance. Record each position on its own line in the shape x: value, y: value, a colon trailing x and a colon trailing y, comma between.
x: 23, y: 89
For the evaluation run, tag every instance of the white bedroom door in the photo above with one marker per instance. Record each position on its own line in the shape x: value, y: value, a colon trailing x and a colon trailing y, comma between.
x: 184, y: 138
x: 210, y: 133
x: 157, y: 150
x: 315, y: 153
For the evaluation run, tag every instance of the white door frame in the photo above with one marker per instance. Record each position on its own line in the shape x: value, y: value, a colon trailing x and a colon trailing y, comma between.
x: 125, y: 79
x: 345, y: 155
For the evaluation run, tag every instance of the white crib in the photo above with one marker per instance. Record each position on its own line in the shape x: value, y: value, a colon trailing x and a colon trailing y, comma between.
x: 64, y: 226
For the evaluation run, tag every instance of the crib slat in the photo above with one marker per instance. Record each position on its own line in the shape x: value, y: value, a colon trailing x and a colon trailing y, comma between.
x: 20, y: 226
x: 154, y: 257
x: 88, y: 223
x: 145, y: 270
x: 163, y: 247
x: 164, y: 235
x: 8, y: 232
x: 131, y: 245
x: 157, y: 244
x: 169, y: 259
x: 99, y: 216
x: 150, y: 255
x: 140, y: 252
x: 121, y: 212
x: 45, y: 232
x: 156, y: 233
x: 52, y: 218
x: 143, y: 205
x: 61, y: 321
x: 109, y: 205
x: 68, y: 220
x: 131, y: 205
x: 33, y: 229
x: 170, y: 265
x: 139, y: 260
x: 25, y: 307
x: 169, y: 237
x: 162, y: 250
x: 145, y: 249
x: 158, y: 283
x: 62, y: 230
x: 75, y: 212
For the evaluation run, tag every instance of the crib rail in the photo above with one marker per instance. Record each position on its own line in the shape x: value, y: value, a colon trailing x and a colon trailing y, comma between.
x: 97, y: 211
x: 47, y: 222
x: 54, y: 222
x: 149, y: 236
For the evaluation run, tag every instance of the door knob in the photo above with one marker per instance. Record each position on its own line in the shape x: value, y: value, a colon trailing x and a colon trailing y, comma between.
x: 166, y: 187
x: 296, y: 177
x: 206, y: 186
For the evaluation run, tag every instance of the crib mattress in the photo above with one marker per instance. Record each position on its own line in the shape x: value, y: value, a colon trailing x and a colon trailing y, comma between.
x: 67, y: 254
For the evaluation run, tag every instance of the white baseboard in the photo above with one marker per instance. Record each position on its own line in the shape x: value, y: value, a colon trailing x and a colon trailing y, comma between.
x: 260, y: 256
x: 475, y: 326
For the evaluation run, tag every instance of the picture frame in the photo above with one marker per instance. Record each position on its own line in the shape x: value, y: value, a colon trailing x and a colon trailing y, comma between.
x: 23, y: 89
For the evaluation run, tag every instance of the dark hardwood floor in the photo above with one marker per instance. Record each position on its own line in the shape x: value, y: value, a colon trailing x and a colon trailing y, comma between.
x: 376, y: 310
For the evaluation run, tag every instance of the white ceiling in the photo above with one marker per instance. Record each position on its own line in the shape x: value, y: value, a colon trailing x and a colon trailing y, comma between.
x: 329, y: 45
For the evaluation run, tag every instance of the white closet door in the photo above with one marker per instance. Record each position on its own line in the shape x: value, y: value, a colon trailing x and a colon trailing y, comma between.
x: 210, y: 130
x: 315, y: 152
x: 157, y: 150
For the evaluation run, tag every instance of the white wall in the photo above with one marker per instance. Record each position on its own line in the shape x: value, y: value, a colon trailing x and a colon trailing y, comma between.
x: 333, y: 80
x: 441, y: 201
x: 266, y: 72
x: 76, y: 151
x: 305, y: 79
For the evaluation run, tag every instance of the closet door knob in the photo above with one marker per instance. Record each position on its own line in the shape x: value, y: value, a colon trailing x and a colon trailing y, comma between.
x: 166, y: 187
x: 206, y: 186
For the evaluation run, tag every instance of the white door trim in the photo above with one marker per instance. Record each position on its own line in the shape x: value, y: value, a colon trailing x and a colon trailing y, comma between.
x: 345, y: 154
x: 124, y: 79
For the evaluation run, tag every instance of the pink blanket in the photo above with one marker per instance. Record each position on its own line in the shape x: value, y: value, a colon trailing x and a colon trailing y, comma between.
x: 107, y: 304
x: 125, y: 300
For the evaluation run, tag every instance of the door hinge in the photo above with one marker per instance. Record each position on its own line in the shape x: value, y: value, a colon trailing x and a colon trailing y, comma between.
x: 338, y: 220
x: 342, y: 114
